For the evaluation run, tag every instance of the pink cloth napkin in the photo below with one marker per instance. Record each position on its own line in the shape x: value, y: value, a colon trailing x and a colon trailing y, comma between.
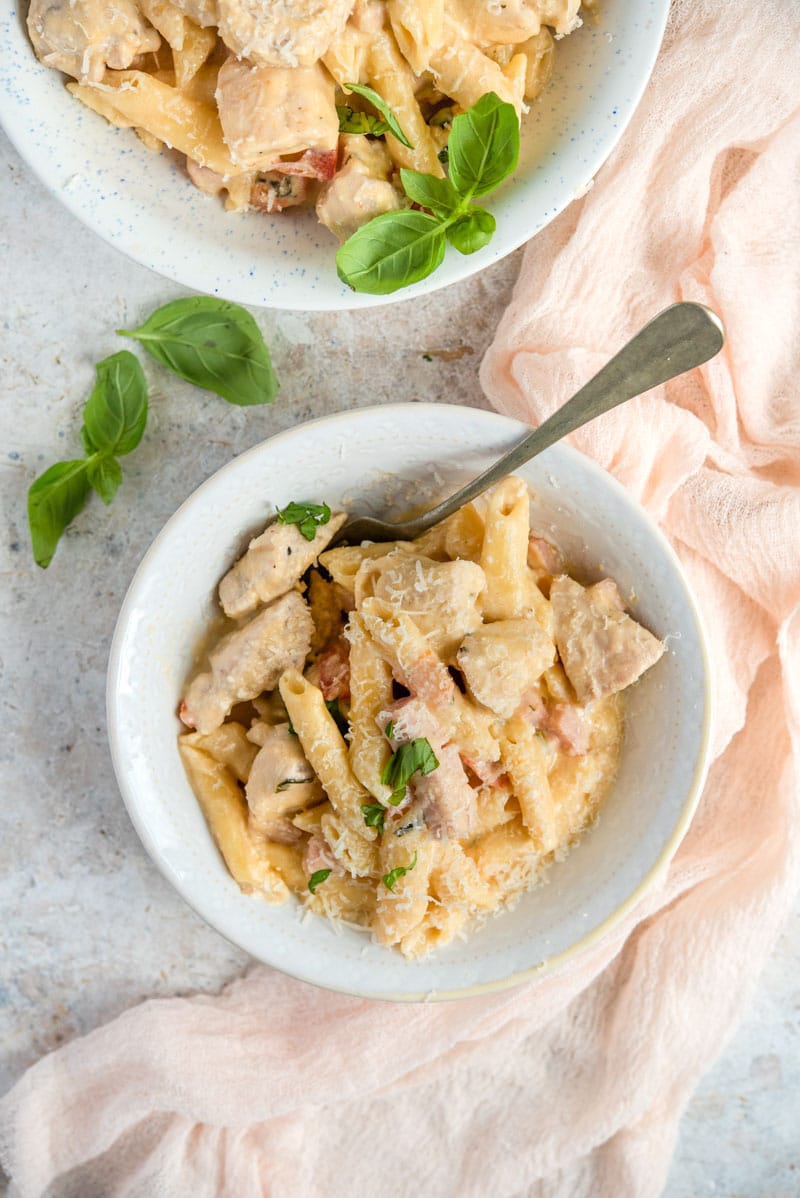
x: 571, y: 1087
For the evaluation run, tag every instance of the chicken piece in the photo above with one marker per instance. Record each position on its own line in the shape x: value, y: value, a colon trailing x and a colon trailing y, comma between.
x: 445, y: 795
x: 83, y: 37
x: 601, y: 648
x: 281, y: 33
x: 267, y: 112
x: 360, y: 189
x: 500, y: 661
x: 440, y: 597
x: 274, y: 561
x: 545, y: 561
x: 607, y: 593
x: 280, y: 784
x: 249, y: 661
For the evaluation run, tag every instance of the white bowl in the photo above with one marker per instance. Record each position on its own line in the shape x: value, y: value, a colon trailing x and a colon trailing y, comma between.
x: 145, y: 206
x: 425, y: 450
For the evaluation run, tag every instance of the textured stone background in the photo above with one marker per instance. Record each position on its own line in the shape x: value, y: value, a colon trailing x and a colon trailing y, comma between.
x: 87, y: 925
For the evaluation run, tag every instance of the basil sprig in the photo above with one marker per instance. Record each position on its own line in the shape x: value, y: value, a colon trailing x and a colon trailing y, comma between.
x: 317, y: 878
x: 416, y: 756
x: 213, y: 344
x: 307, y: 516
x: 396, y: 249
x: 351, y: 121
x: 340, y: 719
x: 395, y: 874
x: 114, y: 419
x: 374, y: 815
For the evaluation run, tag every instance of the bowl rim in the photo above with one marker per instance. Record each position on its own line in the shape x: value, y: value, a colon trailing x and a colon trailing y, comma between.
x: 548, y: 965
x: 186, y: 272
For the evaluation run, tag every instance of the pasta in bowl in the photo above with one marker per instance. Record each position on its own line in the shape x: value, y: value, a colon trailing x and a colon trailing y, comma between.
x: 160, y: 74
x: 482, y: 793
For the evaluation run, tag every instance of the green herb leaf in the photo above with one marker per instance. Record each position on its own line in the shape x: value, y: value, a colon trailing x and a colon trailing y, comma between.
x: 335, y: 710
x: 105, y: 475
x: 391, y: 251
x: 317, y: 879
x: 307, y: 516
x: 416, y: 756
x: 437, y: 194
x: 374, y: 815
x: 54, y: 500
x: 377, y: 101
x: 389, y: 729
x: 472, y: 231
x: 212, y: 343
x: 116, y: 411
x: 395, y: 874
x: 352, y: 121
x: 287, y: 782
x: 483, y: 147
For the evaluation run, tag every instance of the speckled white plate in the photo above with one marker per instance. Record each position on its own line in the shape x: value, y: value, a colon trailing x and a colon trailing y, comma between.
x: 144, y: 205
x: 424, y: 450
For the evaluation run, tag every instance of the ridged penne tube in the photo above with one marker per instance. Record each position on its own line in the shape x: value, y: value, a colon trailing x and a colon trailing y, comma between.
x: 370, y: 692
x: 325, y: 748
x: 168, y: 19
x: 510, y: 589
x: 224, y: 807
x: 190, y: 57
x: 229, y: 745
x: 168, y: 114
x: 392, y: 79
x: 346, y: 57
x: 465, y: 74
x: 506, y: 859
x: 344, y: 562
x: 523, y: 753
x: 418, y: 27
x: 399, y: 910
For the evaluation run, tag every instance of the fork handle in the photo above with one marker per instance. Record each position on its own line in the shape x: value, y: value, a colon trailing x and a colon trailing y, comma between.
x: 681, y: 337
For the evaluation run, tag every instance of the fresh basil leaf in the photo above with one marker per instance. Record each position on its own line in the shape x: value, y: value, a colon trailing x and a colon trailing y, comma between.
x: 416, y: 756
x: 395, y: 874
x: 437, y: 194
x: 287, y: 782
x: 116, y: 411
x: 352, y: 121
x: 377, y: 101
x: 483, y: 147
x: 391, y: 251
x: 307, y: 516
x: 340, y: 718
x: 54, y: 500
x: 472, y: 231
x: 374, y: 815
x: 105, y: 475
x: 212, y: 343
x: 389, y: 730
x: 317, y: 879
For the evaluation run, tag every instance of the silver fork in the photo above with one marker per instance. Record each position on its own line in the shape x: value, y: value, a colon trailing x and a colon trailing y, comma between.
x: 678, y: 339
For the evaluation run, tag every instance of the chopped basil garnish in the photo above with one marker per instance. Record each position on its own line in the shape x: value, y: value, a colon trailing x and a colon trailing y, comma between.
x: 335, y: 709
x: 287, y: 782
x: 415, y: 757
x: 374, y: 815
x: 307, y: 516
x: 389, y: 124
x: 395, y: 874
x: 317, y: 879
x: 389, y: 730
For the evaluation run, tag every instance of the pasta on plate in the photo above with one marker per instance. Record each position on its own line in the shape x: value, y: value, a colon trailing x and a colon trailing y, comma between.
x: 254, y: 94
x: 406, y: 735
